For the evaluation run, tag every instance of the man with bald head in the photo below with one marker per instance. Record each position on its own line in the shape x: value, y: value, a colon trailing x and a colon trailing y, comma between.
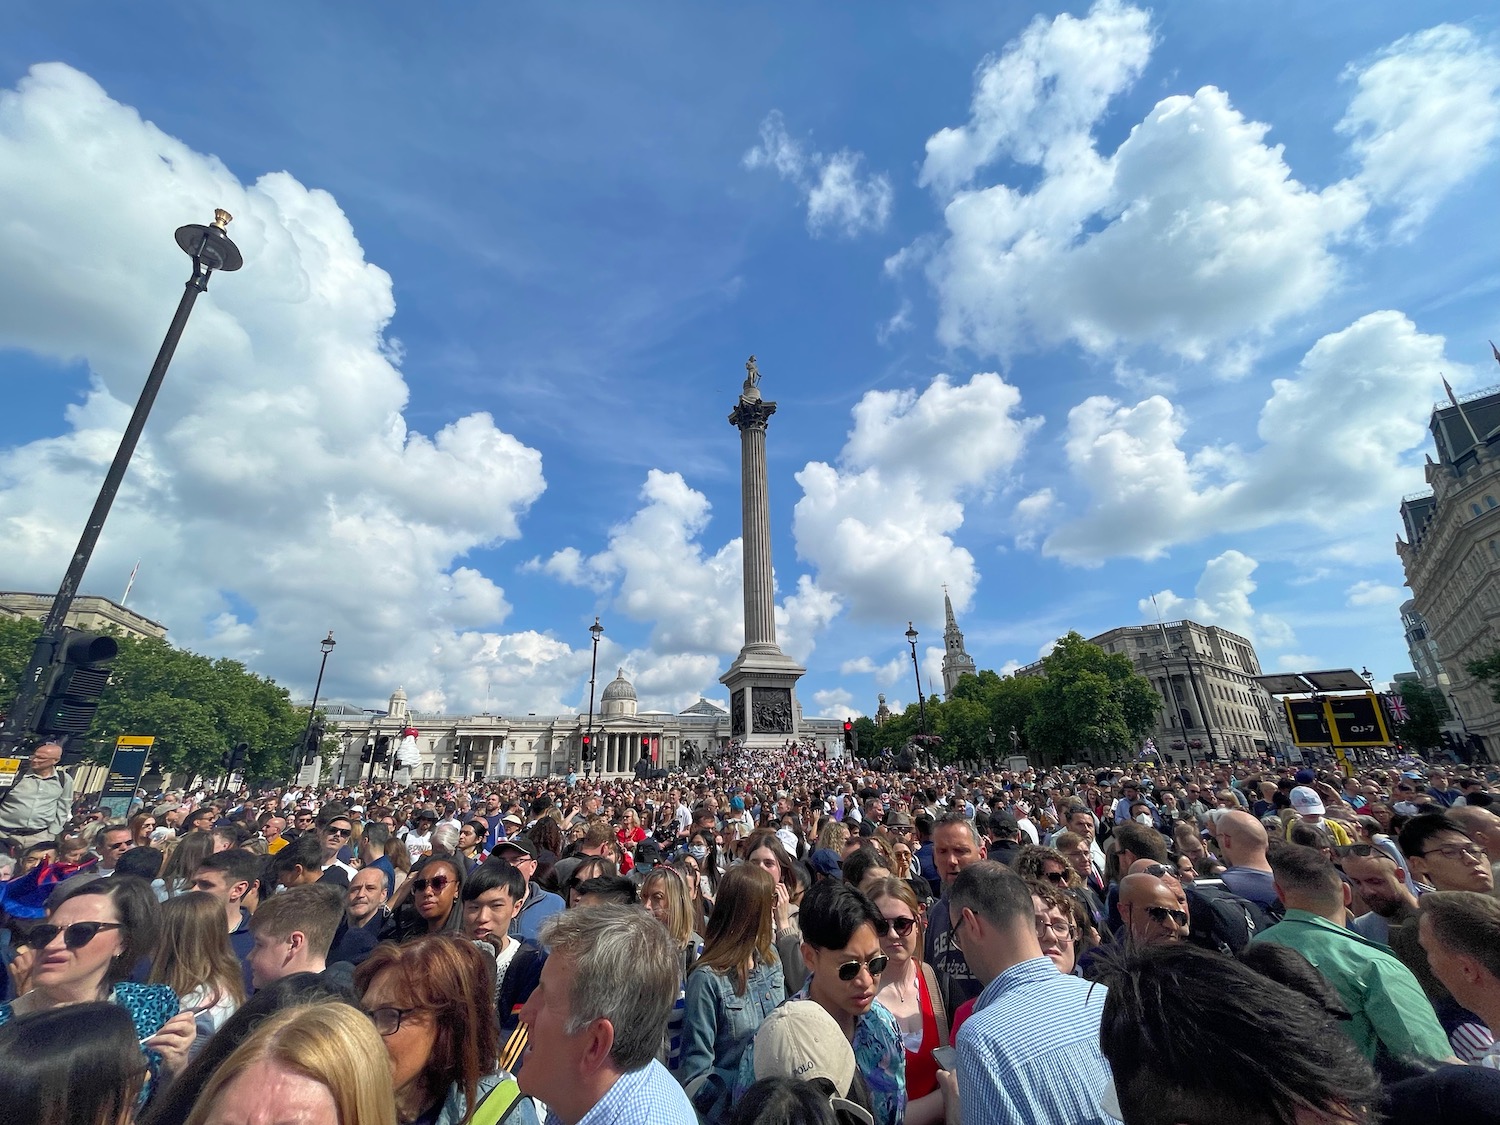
x: 1152, y: 911
x: 1242, y: 845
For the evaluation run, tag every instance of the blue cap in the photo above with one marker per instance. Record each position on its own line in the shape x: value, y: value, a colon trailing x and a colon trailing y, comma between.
x: 825, y: 861
x: 1304, y: 777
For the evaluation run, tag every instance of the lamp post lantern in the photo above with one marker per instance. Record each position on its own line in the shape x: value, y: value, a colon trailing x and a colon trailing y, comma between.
x: 911, y: 639
x: 1187, y: 654
x: 326, y: 644
x: 596, y: 631
x: 210, y: 248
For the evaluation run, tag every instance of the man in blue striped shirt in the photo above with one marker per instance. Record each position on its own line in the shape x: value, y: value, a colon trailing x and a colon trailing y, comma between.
x: 1030, y: 1052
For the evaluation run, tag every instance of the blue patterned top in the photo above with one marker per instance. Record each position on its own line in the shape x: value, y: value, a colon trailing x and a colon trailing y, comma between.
x: 1029, y: 1055
x: 880, y: 1057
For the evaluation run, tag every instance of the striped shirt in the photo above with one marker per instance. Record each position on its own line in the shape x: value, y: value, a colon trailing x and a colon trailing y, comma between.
x: 1030, y: 1052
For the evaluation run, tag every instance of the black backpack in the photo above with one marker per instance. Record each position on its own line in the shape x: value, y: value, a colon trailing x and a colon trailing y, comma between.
x: 1221, y: 919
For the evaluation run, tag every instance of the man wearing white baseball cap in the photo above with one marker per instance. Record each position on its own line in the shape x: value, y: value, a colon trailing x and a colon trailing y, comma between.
x: 800, y: 1040
x: 1309, y: 809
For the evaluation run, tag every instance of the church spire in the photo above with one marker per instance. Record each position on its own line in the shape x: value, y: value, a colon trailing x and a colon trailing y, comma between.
x: 956, y: 662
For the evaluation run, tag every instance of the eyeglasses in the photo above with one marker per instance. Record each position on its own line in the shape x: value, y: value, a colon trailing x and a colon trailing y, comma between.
x: 901, y: 925
x: 387, y: 1021
x: 850, y: 969
x: 1162, y: 913
x: 75, y: 936
x: 1456, y: 851
x: 437, y: 883
x: 1161, y: 871
x: 117, y: 845
x: 1060, y: 877
x: 1062, y: 931
x: 343, y: 833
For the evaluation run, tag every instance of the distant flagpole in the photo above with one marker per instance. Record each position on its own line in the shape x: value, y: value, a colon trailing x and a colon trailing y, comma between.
x: 1454, y: 400
x: 134, y: 570
x: 1495, y: 351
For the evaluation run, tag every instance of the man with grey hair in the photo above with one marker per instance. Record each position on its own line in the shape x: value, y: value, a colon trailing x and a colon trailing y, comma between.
x: 597, y: 1017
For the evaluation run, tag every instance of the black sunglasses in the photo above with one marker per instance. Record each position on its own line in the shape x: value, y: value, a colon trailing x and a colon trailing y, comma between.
x: 850, y: 969
x: 344, y: 832
x: 902, y: 926
x: 75, y: 936
x: 1162, y: 913
x: 1364, y: 851
x: 1057, y: 877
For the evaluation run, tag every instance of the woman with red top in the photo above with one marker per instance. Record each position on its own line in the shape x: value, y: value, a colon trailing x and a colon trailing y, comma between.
x: 909, y: 989
x: 630, y: 833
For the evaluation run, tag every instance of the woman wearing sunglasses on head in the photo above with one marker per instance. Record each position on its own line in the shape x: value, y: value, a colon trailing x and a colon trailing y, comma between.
x: 737, y: 980
x: 95, y: 932
x: 909, y: 991
x: 430, y: 902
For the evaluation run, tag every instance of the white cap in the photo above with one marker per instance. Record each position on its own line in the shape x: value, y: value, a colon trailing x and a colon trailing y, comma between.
x: 1306, y: 801
x: 802, y: 1041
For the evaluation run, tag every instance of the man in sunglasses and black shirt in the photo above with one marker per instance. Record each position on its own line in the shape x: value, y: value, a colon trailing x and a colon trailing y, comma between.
x: 334, y: 834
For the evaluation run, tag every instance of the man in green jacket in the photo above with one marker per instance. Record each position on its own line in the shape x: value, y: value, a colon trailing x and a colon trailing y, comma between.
x: 1391, y: 1016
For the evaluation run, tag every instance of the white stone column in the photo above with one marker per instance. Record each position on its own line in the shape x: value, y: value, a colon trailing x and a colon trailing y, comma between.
x: 751, y: 417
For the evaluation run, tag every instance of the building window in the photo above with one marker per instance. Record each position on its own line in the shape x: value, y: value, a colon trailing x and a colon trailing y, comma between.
x: 1476, y: 509
x: 1489, y: 502
x: 1494, y: 554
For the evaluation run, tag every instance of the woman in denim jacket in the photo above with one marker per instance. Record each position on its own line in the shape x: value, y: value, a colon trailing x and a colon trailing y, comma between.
x: 735, y: 984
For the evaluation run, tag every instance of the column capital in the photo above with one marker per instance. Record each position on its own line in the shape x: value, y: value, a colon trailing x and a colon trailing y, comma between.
x: 751, y: 414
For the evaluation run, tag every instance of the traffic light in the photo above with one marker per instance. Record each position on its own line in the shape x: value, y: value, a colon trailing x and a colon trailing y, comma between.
x: 366, y: 752
x: 848, y: 736
x: 383, y: 748
x: 77, y: 678
x: 233, y: 761
x: 314, y: 746
x: 588, y: 750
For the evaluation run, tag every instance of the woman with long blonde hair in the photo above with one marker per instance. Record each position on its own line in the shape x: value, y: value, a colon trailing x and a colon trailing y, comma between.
x: 334, y: 1047
x: 194, y: 958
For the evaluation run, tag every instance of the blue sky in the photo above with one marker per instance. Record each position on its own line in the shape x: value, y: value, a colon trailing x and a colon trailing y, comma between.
x: 1062, y: 306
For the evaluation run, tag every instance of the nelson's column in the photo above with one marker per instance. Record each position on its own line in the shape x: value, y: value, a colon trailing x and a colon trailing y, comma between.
x: 762, y: 681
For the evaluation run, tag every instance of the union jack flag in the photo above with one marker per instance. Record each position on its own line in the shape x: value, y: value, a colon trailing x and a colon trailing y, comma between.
x: 1395, y: 706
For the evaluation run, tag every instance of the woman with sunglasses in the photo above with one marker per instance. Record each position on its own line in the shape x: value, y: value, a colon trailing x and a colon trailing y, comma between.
x: 438, y: 1028
x: 841, y: 943
x: 736, y: 982
x: 430, y: 902
x: 909, y: 991
x: 95, y: 933
x: 141, y: 827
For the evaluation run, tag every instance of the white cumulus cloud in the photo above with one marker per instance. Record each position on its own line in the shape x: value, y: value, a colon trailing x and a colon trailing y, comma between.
x: 278, y: 490
x: 1336, y: 441
x: 1223, y: 599
x: 878, y: 526
x: 1369, y: 592
x: 839, y: 200
x: 1425, y: 116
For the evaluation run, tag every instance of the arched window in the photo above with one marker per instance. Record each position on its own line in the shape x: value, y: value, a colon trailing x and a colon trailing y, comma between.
x: 1478, y: 511
x: 1489, y: 502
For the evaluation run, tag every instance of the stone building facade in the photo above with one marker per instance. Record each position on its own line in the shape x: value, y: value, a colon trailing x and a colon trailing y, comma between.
x: 88, y: 612
x: 1450, y: 552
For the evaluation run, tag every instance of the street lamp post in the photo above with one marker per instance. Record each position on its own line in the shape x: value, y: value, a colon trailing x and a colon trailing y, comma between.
x: 326, y: 644
x: 596, y: 631
x: 1187, y: 743
x: 210, y: 248
x: 911, y: 639
x: 1187, y: 654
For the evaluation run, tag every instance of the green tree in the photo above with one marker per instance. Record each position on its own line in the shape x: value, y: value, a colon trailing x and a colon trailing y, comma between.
x: 1089, y: 703
x: 195, y: 707
x: 1426, y: 711
x: 1487, y: 672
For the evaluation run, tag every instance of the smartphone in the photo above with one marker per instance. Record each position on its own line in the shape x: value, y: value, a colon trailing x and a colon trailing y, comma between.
x: 947, y: 1057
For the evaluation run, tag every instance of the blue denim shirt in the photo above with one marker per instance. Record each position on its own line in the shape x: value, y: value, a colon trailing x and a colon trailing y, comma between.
x: 718, y: 1026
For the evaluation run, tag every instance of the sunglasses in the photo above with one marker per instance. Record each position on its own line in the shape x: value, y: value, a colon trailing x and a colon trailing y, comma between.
x: 437, y: 883
x: 1162, y: 913
x: 343, y: 833
x: 850, y: 969
x: 902, y: 926
x: 1161, y: 871
x: 75, y: 936
x: 1364, y: 851
x: 1056, y: 877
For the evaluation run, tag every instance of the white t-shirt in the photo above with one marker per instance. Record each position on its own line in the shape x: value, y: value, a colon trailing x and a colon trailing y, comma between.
x: 418, y: 845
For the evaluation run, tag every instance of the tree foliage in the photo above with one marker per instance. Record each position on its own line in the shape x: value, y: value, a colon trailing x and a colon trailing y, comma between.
x: 1487, y: 672
x: 1426, y: 711
x: 1091, y: 704
x: 195, y: 707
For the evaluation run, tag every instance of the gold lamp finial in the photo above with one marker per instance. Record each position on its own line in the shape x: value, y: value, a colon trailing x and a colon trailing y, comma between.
x: 222, y: 218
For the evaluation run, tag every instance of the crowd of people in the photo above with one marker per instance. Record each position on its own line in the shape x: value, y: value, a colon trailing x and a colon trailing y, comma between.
x: 781, y: 939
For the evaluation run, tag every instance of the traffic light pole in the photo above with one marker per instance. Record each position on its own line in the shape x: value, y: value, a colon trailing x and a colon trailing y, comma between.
x: 210, y: 249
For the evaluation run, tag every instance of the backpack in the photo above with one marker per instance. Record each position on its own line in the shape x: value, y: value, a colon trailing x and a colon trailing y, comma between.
x: 1221, y: 919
